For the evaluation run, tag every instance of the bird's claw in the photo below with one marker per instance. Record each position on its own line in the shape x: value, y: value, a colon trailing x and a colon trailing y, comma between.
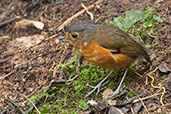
x: 96, y: 87
x: 102, y: 83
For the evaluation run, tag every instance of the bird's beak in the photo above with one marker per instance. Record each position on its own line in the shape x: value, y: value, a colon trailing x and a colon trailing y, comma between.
x: 63, y: 38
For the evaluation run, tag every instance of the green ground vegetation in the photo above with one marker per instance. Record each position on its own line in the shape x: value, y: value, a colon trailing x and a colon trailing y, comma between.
x: 69, y: 99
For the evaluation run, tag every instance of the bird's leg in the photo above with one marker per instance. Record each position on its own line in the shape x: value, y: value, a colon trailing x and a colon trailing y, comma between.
x: 98, y: 85
x: 80, y: 60
x: 118, y: 88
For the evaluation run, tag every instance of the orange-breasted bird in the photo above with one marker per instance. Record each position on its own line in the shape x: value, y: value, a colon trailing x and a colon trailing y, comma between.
x: 106, y: 46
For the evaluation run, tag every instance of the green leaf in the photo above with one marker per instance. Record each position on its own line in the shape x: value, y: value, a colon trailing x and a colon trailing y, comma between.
x: 157, y: 18
x: 118, y: 22
x: 83, y: 105
x: 132, y: 17
x: 147, y: 24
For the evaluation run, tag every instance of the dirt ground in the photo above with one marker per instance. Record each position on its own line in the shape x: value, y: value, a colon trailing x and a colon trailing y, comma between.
x: 27, y: 54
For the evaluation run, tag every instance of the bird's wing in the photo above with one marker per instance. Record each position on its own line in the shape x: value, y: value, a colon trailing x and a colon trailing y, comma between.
x: 118, y: 41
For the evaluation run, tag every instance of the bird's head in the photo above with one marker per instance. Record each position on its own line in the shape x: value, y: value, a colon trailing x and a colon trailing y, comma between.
x: 80, y: 33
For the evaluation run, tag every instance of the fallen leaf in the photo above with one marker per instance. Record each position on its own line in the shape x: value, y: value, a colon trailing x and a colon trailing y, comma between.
x: 106, y: 93
x: 4, y: 37
x: 38, y: 24
x: 164, y: 68
x: 158, y: 1
x: 92, y: 102
x: 111, y: 102
x: 26, y: 22
x: 26, y: 42
x: 126, y: 2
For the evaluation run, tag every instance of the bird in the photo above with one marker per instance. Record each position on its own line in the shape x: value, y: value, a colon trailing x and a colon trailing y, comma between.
x: 106, y: 46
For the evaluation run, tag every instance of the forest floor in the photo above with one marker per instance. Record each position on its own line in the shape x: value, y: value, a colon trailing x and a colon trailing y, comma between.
x: 34, y: 62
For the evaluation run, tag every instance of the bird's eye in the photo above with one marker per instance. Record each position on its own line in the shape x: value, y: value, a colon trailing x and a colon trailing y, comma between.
x: 75, y: 35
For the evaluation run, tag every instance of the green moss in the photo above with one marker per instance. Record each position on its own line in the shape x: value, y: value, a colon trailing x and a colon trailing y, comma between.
x: 147, y: 18
x: 69, y: 99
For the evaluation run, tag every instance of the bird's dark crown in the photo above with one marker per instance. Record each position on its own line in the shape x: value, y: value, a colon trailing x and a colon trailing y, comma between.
x: 81, y: 28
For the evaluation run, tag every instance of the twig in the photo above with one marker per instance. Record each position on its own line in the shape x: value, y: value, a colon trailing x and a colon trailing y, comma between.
x: 4, y: 37
x: 155, y: 107
x: 8, y: 21
x: 70, y: 80
x: 138, y: 74
x: 3, y: 77
x: 165, y: 105
x: 55, y: 67
x: 35, y: 57
x: 91, y: 15
x: 137, y: 100
x: 98, y: 19
x: 33, y: 105
x: 5, y: 111
x: 57, y: 81
x: 16, y: 105
x: 31, y: 66
x: 129, y: 101
x: 132, y: 110
x: 5, y: 60
x: 27, y: 72
x: 64, y: 57
x: 120, y: 94
x: 144, y: 106
x: 78, y: 14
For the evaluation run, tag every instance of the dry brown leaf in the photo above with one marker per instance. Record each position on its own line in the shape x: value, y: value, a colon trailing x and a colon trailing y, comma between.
x: 111, y: 102
x: 158, y: 1
x: 126, y: 2
x: 4, y: 37
x: 92, y: 102
x: 26, y: 22
x: 106, y: 93
x: 38, y: 24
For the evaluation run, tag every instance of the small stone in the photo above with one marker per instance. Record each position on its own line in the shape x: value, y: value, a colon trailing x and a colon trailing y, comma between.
x: 164, y: 68
x: 106, y: 93
x: 124, y: 109
x: 114, y: 110
x: 137, y: 107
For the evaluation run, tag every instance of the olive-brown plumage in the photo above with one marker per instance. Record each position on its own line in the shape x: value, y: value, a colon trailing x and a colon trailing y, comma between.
x: 106, y: 46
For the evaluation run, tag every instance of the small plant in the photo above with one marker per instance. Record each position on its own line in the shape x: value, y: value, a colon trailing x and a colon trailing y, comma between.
x: 147, y: 18
x: 70, y: 66
x: 68, y: 98
x: 130, y: 94
x: 83, y: 105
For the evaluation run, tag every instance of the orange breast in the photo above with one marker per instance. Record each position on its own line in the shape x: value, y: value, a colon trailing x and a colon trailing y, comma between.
x: 102, y: 57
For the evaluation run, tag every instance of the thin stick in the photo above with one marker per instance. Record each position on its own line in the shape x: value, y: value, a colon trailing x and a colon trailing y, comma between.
x: 132, y: 110
x: 137, y: 100
x: 33, y: 105
x: 91, y: 15
x: 3, y: 77
x: 16, y: 105
x: 78, y: 14
x: 144, y: 106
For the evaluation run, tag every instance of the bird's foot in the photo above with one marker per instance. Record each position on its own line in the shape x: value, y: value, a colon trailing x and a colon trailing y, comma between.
x: 115, y: 93
x: 119, y: 87
x: 102, y: 83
